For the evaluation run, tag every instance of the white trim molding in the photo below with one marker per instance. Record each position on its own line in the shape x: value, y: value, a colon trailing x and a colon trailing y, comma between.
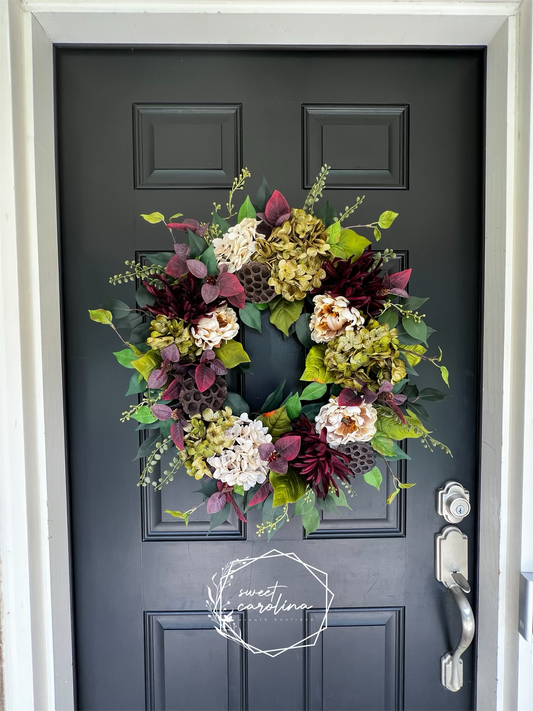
x: 34, y: 545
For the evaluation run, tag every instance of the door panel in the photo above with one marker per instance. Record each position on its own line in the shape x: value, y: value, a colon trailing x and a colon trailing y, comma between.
x: 141, y: 130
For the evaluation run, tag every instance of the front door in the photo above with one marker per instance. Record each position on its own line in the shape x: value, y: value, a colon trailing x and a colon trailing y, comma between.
x: 145, y: 130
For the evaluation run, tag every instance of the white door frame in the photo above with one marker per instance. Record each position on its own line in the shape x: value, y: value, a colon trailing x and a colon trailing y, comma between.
x: 34, y: 545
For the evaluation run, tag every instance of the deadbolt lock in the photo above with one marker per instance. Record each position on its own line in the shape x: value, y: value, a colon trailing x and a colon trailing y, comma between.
x: 453, y: 502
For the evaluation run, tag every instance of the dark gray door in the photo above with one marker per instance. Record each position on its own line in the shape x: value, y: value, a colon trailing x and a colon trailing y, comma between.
x: 405, y: 129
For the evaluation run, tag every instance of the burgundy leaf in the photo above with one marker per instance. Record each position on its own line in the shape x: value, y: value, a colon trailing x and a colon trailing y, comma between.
x: 216, y: 502
x: 237, y: 509
x: 399, y: 399
x: 229, y: 285
x: 369, y: 396
x: 277, y: 209
x: 162, y: 412
x: 289, y: 447
x: 279, y: 465
x: 204, y: 377
x: 349, y: 398
x: 261, y: 495
x: 202, y: 229
x: 197, y: 268
x: 207, y: 355
x: 185, y: 225
x: 176, y: 432
x: 385, y: 387
x: 176, y: 266
x: 173, y: 390
x: 400, y: 279
x: 238, y: 300
x: 157, y: 379
x: 210, y: 292
x: 171, y: 353
x: 393, y: 406
x: 399, y: 292
x: 265, y: 450
x: 182, y: 250
x: 218, y: 367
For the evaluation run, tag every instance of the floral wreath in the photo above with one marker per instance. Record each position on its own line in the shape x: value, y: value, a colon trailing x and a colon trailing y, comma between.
x: 364, y: 337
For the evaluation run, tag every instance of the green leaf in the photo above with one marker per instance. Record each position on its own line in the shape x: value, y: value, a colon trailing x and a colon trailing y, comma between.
x: 386, y: 219
x: 383, y: 445
x: 412, y: 353
x: 218, y: 518
x: 328, y: 504
x: 277, y: 421
x: 389, y: 316
x: 398, y: 387
x: 231, y: 354
x: 413, y: 303
x: 153, y: 218
x: 377, y: 234
x: 389, y: 425
x: 334, y: 232
x: 445, y: 374
x: 101, y: 316
x: 125, y: 357
x: 261, y: 307
x: 164, y: 427
x: 237, y: 404
x: 144, y: 415
x: 416, y: 329
x: 432, y: 395
x: 310, y: 521
x: 311, y: 410
x: 137, y: 384
x: 140, y: 333
x: 398, y: 454
x: 160, y: 259
x: 313, y: 391
x: 406, y: 486
x: 148, y: 426
x: 294, y: 406
x: 288, y: 487
x: 147, y: 446
x: 263, y: 195
x: 283, y: 313
x: 373, y: 477
x: 392, y: 496
x: 146, y: 363
x: 303, y: 331
x: 118, y: 308
x: 350, y: 244
x: 314, y: 366
x: 238, y: 489
x: 178, y: 514
x: 178, y: 214
x: 246, y: 210
x: 269, y: 515
x: 274, y: 400
x: 251, y: 316
x: 327, y: 213
x: 305, y: 503
x: 217, y: 220
x: 197, y: 244
x: 340, y: 500
x: 210, y: 261
x: 143, y: 297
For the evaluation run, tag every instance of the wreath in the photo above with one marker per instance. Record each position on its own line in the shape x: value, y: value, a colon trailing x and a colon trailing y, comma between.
x: 364, y: 336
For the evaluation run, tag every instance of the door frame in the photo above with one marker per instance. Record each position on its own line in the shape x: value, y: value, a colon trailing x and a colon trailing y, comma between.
x: 34, y: 534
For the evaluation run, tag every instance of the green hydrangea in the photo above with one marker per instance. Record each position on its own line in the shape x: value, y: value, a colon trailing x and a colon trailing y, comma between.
x: 370, y: 355
x: 205, y: 435
x: 167, y: 331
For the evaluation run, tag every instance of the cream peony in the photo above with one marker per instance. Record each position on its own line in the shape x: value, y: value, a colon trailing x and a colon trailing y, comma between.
x: 237, y: 246
x: 333, y: 316
x: 215, y: 327
x: 240, y: 464
x: 346, y: 424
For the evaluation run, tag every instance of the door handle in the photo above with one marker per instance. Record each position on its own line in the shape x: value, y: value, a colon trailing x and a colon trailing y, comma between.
x: 451, y: 559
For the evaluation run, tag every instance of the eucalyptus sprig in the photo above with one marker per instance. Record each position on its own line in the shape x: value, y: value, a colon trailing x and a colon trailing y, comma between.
x: 315, y: 193
x: 137, y: 271
x: 271, y: 526
x: 151, y: 461
x: 238, y: 184
x: 349, y: 210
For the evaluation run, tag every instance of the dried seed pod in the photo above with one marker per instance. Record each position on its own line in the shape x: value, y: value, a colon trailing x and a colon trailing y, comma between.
x: 195, y: 402
x: 362, y: 456
x: 254, y: 278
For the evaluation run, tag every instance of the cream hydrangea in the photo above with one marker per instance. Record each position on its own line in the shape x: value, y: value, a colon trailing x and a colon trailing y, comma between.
x: 219, y: 325
x: 346, y: 424
x: 237, y: 246
x: 240, y: 464
x: 332, y: 317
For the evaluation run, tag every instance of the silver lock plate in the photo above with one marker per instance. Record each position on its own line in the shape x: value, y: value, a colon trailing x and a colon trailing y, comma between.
x: 451, y: 555
x: 453, y: 502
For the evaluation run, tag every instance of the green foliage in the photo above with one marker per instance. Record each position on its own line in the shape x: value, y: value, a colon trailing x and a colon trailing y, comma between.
x: 144, y: 415
x: 389, y: 425
x: 316, y: 190
x: 220, y: 517
x: 232, y: 353
x: 377, y: 234
x: 313, y: 391
x: 315, y: 368
x: 197, y: 244
x: 310, y: 521
x: 143, y: 297
x: 373, y: 477
x: 416, y: 329
x: 237, y: 404
x: 386, y: 219
x: 153, y: 218
x: 210, y: 261
x: 327, y: 213
x: 223, y: 225
x: 101, y: 316
x: 294, y: 406
x: 274, y: 400
x: 125, y: 357
x: 272, y: 520
x: 311, y: 410
x: 390, y: 317
x: 278, y: 422
x: 251, y: 316
x: 263, y: 195
x: 146, y: 363
x: 288, y: 487
x: 284, y: 313
x: 303, y: 332
x: 137, y: 384
x: 383, y: 445
x: 412, y: 353
x: 246, y: 210
x: 350, y: 244
x: 147, y: 446
x: 160, y: 259
x: 118, y: 308
x: 445, y: 374
x: 398, y: 454
x: 413, y: 303
x: 305, y: 504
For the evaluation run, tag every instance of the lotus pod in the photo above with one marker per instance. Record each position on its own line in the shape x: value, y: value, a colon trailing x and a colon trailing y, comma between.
x: 195, y: 402
x: 254, y: 278
x: 362, y: 456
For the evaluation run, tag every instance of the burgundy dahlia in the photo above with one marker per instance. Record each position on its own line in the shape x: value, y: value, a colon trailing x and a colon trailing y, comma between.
x: 317, y: 462
x: 180, y: 300
x: 358, y: 281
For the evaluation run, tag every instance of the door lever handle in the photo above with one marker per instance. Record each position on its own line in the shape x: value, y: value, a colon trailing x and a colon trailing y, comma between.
x: 451, y: 557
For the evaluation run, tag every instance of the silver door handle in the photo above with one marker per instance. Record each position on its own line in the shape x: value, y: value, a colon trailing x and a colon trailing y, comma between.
x: 451, y: 557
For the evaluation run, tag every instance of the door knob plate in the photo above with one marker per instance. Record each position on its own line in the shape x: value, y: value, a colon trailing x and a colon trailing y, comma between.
x: 451, y: 555
x: 453, y: 502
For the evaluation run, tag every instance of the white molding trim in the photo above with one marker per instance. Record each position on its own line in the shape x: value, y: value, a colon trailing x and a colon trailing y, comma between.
x: 34, y: 544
